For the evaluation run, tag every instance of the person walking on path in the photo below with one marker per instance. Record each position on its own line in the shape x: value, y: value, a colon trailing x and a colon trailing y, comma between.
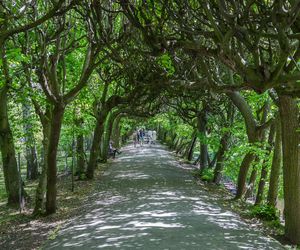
x: 113, y: 150
x: 135, y: 138
x: 150, y: 134
x: 153, y: 136
x: 141, y: 135
x: 138, y: 135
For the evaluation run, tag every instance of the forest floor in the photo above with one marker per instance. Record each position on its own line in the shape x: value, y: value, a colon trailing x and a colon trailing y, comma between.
x: 22, y: 231
x: 146, y: 199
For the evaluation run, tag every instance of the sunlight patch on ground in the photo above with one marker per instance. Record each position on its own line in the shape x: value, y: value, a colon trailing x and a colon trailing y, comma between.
x: 147, y: 200
x: 145, y: 225
x: 132, y: 175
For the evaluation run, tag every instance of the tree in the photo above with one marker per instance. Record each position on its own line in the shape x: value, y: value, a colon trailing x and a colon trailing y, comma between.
x: 8, y: 29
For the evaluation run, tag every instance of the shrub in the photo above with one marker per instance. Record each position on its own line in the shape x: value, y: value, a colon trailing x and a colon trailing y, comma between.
x: 82, y: 176
x: 205, y: 174
x: 265, y: 212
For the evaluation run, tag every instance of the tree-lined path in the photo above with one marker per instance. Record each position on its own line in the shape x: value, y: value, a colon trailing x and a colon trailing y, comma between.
x: 218, y: 81
x: 146, y: 200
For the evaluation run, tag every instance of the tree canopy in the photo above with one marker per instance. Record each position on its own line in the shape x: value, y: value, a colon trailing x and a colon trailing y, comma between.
x: 219, y: 80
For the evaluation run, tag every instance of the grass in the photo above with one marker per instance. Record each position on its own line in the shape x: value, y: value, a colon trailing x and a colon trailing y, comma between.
x: 54, y: 232
x: 10, y: 216
x: 39, y: 229
x: 28, y: 185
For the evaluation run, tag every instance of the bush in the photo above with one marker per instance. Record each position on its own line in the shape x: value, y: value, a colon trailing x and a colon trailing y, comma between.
x: 205, y: 175
x: 265, y: 212
x: 82, y: 176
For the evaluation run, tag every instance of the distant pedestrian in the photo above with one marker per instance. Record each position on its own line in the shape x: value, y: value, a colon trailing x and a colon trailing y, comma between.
x: 135, y: 137
x: 138, y: 134
x: 147, y: 138
x: 113, y: 150
x: 150, y: 135
x: 154, y: 136
x: 141, y: 135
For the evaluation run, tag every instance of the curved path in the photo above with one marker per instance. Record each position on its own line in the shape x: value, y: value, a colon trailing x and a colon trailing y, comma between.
x: 147, y: 201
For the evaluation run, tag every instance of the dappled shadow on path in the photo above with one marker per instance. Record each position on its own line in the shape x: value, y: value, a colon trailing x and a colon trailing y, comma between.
x: 147, y: 201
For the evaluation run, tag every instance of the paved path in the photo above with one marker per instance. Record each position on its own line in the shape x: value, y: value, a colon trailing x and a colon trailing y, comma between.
x: 147, y: 201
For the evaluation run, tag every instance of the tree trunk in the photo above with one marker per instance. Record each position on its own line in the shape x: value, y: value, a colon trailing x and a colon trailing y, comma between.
x: 289, y: 114
x: 203, y: 156
x: 41, y: 188
x: 176, y: 143
x: 107, y: 135
x: 31, y: 156
x: 80, y: 162
x: 181, y: 147
x: 88, y: 142
x: 55, y: 129
x: 191, y: 149
x: 173, y: 143
x: 251, y: 128
x: 264, y: 169
x: 254, y: 134
x: 251, y: 183
x: 165, y: 136
x: 10, y: 168
x: 220, y: 159
x: 201, y: 124
x: 116, y: 132
x: 80, y: 168
x: 32, y: 163
x: 213, y: 162
x: 276, y: 167
x: 95, y: 150
x: 196, y: 162
x: 244, y: 168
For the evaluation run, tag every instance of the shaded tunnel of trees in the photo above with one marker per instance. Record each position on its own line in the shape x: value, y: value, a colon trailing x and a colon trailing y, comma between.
x: 218, y: 80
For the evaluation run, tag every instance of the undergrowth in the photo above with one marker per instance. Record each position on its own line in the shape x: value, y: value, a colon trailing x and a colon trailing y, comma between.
x: 205, y: 174
x: 265, y: 212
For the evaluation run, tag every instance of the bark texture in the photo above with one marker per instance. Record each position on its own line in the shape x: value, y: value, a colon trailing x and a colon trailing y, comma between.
x: 289, y: 114
x: 80, y: 167
x: 201, y: 125
x: 220, y: 158
x: 190, y: 149
x: 95, y: 149
x: 31, y: 156
x: 251, y: 183
x: 10, y: 168
x: 41, y: 188
x: 107, y: 135
x: 116, y: 133
x: 276, y: 167
x: 242, y: 177
x: 265, y: 166
x: 55, y: 128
